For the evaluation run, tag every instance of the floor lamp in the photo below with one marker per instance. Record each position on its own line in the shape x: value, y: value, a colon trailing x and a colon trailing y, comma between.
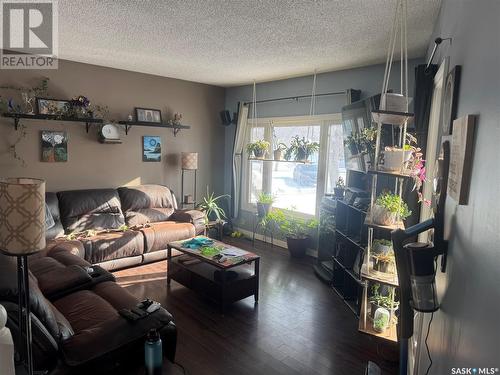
x: 22, y: 233
x: 189, y: 162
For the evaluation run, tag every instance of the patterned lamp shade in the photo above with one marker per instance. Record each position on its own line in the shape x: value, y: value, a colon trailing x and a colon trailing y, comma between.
x: 22, y: 215
x: 189, y: 160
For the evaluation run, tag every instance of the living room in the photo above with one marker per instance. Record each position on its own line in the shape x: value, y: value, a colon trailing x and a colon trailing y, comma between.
x: 275, y: 187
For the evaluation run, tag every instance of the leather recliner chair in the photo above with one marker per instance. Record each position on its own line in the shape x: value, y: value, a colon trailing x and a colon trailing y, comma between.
x: 76, y: 324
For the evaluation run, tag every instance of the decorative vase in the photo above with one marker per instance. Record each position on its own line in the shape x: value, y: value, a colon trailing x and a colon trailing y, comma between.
x: 278, y: 154
x: 339, y: 192
x: 297, y: 246
x: 394, y: 160
x: 382, y: 216
x: 263, y: 209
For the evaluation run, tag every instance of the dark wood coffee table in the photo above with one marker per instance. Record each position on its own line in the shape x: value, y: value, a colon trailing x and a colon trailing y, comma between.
x: 223, y: 283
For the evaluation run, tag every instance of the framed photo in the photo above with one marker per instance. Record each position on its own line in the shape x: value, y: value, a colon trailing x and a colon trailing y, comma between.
x: 148, y: 115
x: 52, y: 106
x: 450, y: 100
x: 54, y: 146
x: 151, y: 148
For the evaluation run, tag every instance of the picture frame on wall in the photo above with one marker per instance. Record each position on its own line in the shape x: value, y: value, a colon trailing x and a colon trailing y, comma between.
x: 52, y: 106
x: 148, y: 115
x: 54, y: 146
x: 151, y: 148
x: 450, y: 100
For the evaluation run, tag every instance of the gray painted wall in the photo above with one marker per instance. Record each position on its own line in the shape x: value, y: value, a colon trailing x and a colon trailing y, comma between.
x: 465, y: 331
x: 367, y: 79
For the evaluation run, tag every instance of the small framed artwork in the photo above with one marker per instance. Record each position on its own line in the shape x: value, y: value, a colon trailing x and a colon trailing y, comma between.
x: 52, y: 106
x: 151, y: 148
x: 148, y: 115
x: 462, y: 151
x: 54, y: 146
x: 450, y: 100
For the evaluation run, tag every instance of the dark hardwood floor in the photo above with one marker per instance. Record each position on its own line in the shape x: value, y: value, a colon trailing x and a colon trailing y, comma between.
x: 300, y: 326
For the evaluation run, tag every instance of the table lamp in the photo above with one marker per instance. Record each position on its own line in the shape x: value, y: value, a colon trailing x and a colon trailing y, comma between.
x: 189, y: 162
x: 22, y: 233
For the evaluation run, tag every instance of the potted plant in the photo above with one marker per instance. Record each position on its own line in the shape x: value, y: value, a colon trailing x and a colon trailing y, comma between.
x: 301, y: 149
x: 295, y: 229
x: 339, y: 188
x: 385, y: 263
x: 353, y: 144
x: 367, y: 140
x: 388, y: 208
x: 381, y: 320
x: 378, y: 300
x: 211, y: 208
x: 278, y: 151
x: 258, y: 148
x: 264, y: 203
x: 381, y: 246
x: 395, y: 158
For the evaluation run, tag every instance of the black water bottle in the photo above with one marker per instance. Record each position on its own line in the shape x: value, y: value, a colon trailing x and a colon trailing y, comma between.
x: 153, y: 354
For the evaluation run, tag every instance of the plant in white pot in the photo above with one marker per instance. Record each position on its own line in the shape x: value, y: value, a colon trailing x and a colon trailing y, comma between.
x: 295, y: 229
x: 388, y: 208
x: 378, y: 299
x: 264, y: 204
x: 258, y: 149
x: 395, y: 158
x: 279, y: 151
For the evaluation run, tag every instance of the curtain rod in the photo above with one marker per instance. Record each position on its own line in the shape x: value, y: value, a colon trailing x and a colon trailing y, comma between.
x: 297, y: 97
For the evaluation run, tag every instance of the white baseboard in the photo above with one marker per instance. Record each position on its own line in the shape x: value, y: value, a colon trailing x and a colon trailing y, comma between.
x: 277, y: 242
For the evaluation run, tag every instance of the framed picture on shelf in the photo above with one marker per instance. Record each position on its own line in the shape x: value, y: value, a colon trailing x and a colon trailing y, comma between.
x: 52, y: 106
x: 148, y: 115
x: 54, y: 146
x: 151, y: 148
x: 450, y: 100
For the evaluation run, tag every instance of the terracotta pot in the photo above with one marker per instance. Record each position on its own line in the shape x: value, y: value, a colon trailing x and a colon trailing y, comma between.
x: 297, y: 246
x: 263, y: 209
x: 382, y: 216
x: 278, y: 155
x: 339, y: 192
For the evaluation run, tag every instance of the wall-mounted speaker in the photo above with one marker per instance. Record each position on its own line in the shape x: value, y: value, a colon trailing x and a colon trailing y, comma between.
x: 225, y: 116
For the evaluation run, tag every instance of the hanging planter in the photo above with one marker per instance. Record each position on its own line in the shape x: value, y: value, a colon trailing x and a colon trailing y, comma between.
x: 396, y: 158
x: 258, y: 149
x: 387, y: 208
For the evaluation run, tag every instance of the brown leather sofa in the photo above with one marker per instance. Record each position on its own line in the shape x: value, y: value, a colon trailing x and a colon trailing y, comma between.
x: 150, y: 209
x: 75, y: 313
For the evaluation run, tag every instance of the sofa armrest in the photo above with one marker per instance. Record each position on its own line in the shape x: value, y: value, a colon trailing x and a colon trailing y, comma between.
x: 73, y: 247
x: 195, y: 217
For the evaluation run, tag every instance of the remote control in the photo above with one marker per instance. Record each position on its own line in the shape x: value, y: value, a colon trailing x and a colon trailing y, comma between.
x: 153, y: 307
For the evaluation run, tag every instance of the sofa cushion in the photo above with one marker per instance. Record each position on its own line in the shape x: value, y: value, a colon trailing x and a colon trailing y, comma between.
x: 90, y: 209
x: 147, y: 203
x: 57, y: 229
x: 113, y: 245
x: 158, y: 235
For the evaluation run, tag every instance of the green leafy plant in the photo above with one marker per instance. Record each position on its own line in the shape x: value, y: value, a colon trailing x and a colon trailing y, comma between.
x: 381, y: 323
x: 265, y: 198
x: 340, y: 184
x: 381, y: 300
x: 290, y: 225
x: 382, y: 242
x: 394, y: 204
x: 210, y: 207
x: 301, y: 149
x: 258, y: 148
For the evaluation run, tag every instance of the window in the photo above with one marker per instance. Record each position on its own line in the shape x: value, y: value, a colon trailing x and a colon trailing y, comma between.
x: 295, y: 186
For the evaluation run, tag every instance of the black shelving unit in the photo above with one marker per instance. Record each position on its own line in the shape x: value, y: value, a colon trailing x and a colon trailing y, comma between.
x: 130, y: 124
x: 88, y: 121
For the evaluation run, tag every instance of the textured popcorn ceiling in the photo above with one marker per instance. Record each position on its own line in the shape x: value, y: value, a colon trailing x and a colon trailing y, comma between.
x: 231, y: 42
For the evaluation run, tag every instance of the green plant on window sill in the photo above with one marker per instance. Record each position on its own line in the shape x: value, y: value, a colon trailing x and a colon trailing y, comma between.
x: 211, y: 208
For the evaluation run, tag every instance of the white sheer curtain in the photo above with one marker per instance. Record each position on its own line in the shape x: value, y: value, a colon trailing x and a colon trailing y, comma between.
x: 239, y: 144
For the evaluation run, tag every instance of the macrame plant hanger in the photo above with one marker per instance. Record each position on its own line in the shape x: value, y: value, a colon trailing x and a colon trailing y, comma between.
x: 312, y: 108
